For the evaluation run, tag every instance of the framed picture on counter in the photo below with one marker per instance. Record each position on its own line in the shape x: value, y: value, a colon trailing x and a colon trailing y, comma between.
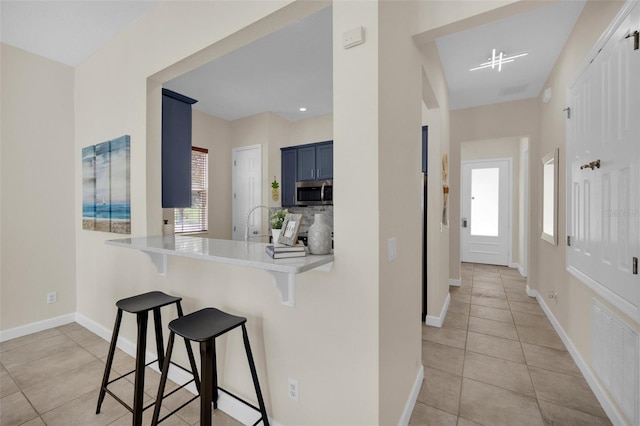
x: 290, y: 228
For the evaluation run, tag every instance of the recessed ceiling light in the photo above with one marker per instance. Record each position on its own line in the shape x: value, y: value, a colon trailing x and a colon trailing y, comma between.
x: 496, y: 61
x: 302, y: 109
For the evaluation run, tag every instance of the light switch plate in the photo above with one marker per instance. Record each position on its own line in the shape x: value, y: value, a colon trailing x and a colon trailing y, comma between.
x: 393, y: 249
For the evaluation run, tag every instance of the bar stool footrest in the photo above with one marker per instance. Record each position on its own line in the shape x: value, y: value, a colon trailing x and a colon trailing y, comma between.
x: 245, y: 402
x: 176, y: 390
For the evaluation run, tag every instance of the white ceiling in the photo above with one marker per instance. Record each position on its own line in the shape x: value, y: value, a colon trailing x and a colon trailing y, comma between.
x: 292, y: 68
x: 66, y: 31
x: 541, y: 33
x: 280, y: 73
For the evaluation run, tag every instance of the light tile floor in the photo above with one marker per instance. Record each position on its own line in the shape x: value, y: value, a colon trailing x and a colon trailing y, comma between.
x: 498, y: 361
x: 52, y: 378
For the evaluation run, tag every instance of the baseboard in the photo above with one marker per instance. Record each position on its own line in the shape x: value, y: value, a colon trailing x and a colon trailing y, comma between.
x: 413, y: 397
x: 530, y: 292
x: 607, y: 404
x: 437, y: 321
x: 516, y: 265
x: 453, y: 282
x: 229, y: 405
x: 36, y: 327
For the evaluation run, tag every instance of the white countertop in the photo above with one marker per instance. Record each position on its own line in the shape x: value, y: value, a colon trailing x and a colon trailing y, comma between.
x: 248, y: 254
x: 239, y: 253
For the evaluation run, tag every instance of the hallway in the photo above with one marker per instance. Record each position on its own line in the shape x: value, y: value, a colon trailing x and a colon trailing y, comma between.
x: 498, y: 361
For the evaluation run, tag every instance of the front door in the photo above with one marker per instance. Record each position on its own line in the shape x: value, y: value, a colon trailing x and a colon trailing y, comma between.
x: 486, y: 220
x: 246, y: 183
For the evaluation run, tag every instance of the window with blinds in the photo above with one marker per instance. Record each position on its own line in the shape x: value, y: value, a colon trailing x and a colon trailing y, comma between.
x: 195, y: 219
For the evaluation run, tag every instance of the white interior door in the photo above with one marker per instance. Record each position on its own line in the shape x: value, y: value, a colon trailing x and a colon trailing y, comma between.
x: 486, y: 221
x: 246, y: 182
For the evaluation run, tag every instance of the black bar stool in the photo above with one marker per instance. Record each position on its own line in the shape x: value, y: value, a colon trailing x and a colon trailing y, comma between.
x: 204, y: 326
x: 141, y: 305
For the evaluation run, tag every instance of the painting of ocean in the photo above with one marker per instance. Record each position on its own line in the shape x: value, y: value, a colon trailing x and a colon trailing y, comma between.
x: 106, y: 199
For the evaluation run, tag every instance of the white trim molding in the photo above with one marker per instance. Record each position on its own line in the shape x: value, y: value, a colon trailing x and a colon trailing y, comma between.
x: 455, y: 282
x: 413, y: 397
x: 531, y: 292
x: 437, y: 321
x: 35, y: 327
x: 603, y: 397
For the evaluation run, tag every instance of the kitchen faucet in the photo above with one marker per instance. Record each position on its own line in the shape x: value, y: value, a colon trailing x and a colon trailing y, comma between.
x: 246, y: 228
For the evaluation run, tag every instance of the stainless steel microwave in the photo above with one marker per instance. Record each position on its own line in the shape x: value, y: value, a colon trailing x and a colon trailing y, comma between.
x: 314, y: 193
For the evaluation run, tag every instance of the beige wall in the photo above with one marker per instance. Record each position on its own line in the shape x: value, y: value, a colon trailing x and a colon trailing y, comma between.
x: 508, y: 120
x: 214, y: 134
x: 400, y: 189
x: 37, y: 176
x: 572, y: 307
x: 336, y: 316
x: 436, y: 116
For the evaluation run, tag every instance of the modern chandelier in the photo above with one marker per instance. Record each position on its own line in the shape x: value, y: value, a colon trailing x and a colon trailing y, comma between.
x: 497, y: 60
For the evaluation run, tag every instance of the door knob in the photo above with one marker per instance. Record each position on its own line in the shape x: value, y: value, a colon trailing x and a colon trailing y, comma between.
x: 464, y: 222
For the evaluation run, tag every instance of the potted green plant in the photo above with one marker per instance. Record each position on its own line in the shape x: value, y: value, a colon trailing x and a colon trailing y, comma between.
x: 275, y: 192
x: 276, y: 221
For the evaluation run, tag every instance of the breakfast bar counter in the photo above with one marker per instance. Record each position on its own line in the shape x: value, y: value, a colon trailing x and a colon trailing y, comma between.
x: 239, y: 253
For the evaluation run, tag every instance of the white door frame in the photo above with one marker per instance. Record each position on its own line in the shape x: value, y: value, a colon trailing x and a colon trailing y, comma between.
x: 235, y: 234
x: 524, y: 215
x: 509, y: 161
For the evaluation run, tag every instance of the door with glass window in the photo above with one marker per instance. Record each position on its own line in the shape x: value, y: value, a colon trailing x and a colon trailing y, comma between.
x: 486, y: 220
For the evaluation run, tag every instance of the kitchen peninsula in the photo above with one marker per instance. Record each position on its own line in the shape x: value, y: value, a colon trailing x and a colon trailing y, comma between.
x: 239, y: 253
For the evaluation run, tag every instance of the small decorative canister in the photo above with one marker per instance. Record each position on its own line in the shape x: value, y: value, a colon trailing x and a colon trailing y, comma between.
x: 319, y: 237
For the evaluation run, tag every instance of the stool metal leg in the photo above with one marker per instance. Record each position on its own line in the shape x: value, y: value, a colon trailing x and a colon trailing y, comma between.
x: 254, y: 375
x: 207, y: 357
x: 163, y: 380
x: 107, y: 368
x: 138, y: 396
x: 192, y: 361
x: 157, y: 323
x: 214, y: 382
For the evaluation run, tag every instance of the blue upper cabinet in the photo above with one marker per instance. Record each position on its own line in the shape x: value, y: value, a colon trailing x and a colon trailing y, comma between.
x: 176, y: 149
x: 315, y: 161
x: 306, y: 163
x: 324, y: 161
x: 288, y: 177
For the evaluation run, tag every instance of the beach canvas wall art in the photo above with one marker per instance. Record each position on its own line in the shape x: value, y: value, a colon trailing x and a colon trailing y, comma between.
x: 89, y: 187
x: 106, y: 198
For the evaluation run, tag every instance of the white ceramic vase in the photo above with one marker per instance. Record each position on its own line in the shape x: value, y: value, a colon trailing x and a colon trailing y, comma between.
x: 275, y: 233
x: 319, y: 237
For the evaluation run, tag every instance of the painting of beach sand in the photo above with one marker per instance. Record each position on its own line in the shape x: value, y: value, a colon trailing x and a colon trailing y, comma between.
x: 106, y: 198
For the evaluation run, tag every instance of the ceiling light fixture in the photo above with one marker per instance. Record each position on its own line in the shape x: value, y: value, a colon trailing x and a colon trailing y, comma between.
x: 496, y: 61
x: 302, y: 109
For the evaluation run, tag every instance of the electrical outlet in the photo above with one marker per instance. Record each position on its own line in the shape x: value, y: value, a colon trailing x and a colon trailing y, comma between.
x: 52, y: 297
x: 293, y: 389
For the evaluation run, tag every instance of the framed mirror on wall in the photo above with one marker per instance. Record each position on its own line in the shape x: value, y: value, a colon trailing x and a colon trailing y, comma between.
x: 550, y: 197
